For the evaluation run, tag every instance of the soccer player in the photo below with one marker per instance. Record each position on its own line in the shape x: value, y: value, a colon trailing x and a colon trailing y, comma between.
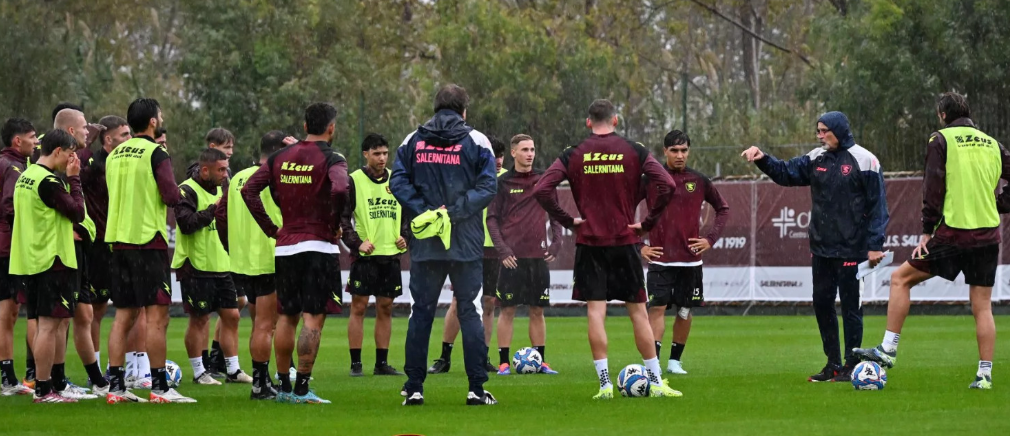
x: 18, y: 140
x: 377, y: 238
x: 492, y: 266
x: 252, y: 263
x: 518, y: 227
x: 161, y: 138
x: 446, y: 164
x: 604, y: 172
x: 42, y: 253
x: 204, y: 270
x: 96, y: 198
x: 141, y: 188
x: 309, y: 182
x: 960, y: 230
x: 848, y: 218
x: 675, y: 275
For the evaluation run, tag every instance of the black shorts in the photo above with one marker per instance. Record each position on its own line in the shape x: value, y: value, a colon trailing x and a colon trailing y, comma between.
x: 253, y: 287
x: 143, y: 279
x: 977, y: 263
x: 84, y: 293
x: 377, y: 276
x: 308, y: 282
x: 101, y: 272
x: 492, y: 266
x: 679, y: 286
x: 528, y: 284
x: 10, y: 285
x: 51, y: 293
x: 203, y: 295
x: 609, y: 273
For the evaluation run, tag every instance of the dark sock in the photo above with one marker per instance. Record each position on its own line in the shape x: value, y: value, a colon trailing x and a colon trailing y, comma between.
x: 542, y: 349
x: 217, y: 357
x: 446, y: 350
x: 95, y: 375
x: 159, y: 379
x: 59, y: 377
x: 676, y: 350
x: 117, y: 374
x: 285, y: 383
x: 381, y: 356
x: 355, y: 355
x: 43, y: 387
x: 261, y: 371
x: 215, y: 346
x: 205, y: 355
x: 302, y: 383
x: 659, y: 347
x: 504, y: 356
x: 30, y: 366
x: 10, y: 378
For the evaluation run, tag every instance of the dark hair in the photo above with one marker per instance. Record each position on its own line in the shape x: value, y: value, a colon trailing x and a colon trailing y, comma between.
x: 373, y: 141
x: 56, y: 138
x: 497, y: 146
x: 601, y: 111
x: 65, y: 105
x: 219, y: 136
x: 159, y: 132
x: 271, y: 142
x: 520, y: 138
x: 112, y: 122
x: 452, y: 97
x: 211, y: 155
x: 13, y: 127
x: 140, y: 113
x: 676, y: 137
x: 953, y: 106
x: 318, y: 117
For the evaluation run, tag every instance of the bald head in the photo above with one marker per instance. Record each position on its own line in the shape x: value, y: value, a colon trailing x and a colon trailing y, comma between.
x: 73, y: 122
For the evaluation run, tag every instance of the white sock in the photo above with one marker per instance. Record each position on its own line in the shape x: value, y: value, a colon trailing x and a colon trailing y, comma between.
x: 232, y: 364
x: 143, y: 366
x: 131, y: 364
x: 984, y: 368
x: 890, y: 343
x: 652, y: 367
x: 98, y: 358
x: 603, y: 373
x: 197, y: 364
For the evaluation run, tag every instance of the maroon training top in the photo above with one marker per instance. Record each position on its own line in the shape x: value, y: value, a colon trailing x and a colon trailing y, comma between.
x: 309, y: 183
x: 682, y: 218
x: 96, y: 190
x: 516, y: 222
x: 12, y: 164
x: 604, y: 172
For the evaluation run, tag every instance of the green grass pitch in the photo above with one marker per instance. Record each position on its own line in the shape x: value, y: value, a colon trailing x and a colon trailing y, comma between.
x: 747, y: 377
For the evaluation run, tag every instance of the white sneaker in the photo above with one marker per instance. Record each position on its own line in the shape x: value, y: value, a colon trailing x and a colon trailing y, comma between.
x: 143, y: 383
x: 130, y: 381
x: 101, y: 392
x: 126, y: 396
x: 170, y: 396
x: 18, y: 389
x: 238, y: 377
x: 76, y: 393
x: 206, y: 379
x: 673, y: 367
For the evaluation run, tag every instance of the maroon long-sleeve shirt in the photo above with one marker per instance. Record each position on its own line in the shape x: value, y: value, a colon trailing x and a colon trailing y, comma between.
x: 681, y: 220
x: 96, y: 190
x: 349, y: 235
x: 604, y: 172
x: 164, y: 177
x: 934, y: 190
x: 309, y: 183
x: 12, y: 164
x: 516, y: 221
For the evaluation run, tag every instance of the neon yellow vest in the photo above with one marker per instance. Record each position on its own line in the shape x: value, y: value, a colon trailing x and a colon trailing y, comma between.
x: 40, y: 233
x: 487, y: 235
x: 136, y: 212
x: 203, y: 248
x: 377, y: 214
x: 973, y: 171
x: 89, y: 225
x: 251, y: 251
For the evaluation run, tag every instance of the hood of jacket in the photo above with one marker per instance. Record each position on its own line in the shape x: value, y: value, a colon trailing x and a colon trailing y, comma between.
x: 838, y: 123
x: 445, y: 129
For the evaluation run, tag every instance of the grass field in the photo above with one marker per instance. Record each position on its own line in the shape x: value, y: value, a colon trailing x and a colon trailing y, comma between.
x: 747, y: 376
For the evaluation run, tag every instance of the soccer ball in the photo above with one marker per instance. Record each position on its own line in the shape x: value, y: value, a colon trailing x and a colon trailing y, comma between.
x: 868, y: 376
x: 527, y: 361
x: 633, y: 381
x: 174, y: 373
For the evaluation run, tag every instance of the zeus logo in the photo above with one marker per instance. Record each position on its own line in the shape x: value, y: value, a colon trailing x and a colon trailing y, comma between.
x: 787, y: 219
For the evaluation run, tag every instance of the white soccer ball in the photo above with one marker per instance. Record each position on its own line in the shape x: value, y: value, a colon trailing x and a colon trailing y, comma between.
x: 868, y: 376
x: 527, y: 361
x: 174, y: 374
x: 633, y: 381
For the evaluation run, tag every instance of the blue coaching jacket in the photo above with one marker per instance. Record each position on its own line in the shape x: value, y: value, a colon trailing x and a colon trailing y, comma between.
x: 446, y: 162
x: 849, y: 208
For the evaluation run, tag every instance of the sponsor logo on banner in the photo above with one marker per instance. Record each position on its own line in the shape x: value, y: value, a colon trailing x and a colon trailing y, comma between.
x: 789, y: 219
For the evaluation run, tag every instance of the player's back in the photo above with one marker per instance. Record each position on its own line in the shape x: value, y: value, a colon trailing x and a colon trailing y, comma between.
x: 301, y: 188
x: 604, y: 172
